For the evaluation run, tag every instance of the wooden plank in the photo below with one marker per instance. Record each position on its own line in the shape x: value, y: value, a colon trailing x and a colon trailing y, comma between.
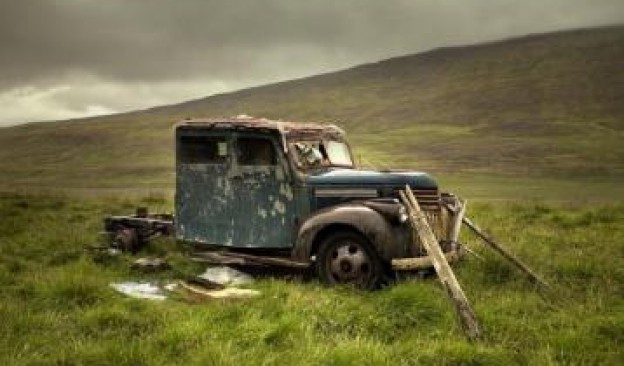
x: 225, y: 293
x: 506, y: 254
x: 410, y: 264
x: 458, y: 217
x: 446, y: 276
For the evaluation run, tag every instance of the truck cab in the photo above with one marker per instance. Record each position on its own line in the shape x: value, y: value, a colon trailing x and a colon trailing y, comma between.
x: 262, y: 186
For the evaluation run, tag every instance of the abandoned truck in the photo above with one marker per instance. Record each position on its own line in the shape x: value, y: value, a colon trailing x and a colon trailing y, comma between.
x: 290, y: 192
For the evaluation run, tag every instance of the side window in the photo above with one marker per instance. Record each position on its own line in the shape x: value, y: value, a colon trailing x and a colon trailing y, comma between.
x: 256, y: 151
x: 202, y: 150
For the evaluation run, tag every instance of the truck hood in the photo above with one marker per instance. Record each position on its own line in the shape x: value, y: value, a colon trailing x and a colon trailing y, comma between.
x: 369, y: 178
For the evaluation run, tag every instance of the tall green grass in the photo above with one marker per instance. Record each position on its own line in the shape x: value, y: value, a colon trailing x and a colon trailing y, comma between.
x: 56, y: 306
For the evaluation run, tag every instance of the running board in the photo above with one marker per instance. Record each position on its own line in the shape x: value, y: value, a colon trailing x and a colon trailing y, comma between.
x: 226, y: 258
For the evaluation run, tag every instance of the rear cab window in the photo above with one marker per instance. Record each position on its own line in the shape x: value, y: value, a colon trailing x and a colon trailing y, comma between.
x: 202, y: 150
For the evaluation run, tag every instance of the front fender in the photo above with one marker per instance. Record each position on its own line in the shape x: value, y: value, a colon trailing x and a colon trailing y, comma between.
x: 391, y: 240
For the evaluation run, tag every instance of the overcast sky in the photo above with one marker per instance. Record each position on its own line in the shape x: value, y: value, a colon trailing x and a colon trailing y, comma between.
x: 71, y: 58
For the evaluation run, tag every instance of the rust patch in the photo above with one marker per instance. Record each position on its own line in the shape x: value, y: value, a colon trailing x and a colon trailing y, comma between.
x: 284, y: 128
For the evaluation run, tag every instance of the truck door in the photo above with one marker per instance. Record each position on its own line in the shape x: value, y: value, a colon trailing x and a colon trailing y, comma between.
x: 204, y: 196
x: 264, y: 215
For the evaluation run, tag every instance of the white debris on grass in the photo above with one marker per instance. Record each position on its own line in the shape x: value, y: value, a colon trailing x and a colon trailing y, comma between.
x: 223, y: 275
x: 226, y: 293
x: 140, y: 290
x: 150, y: 264
x: 234, y: 293
x: 113, y: 251
x: 226, y: 276
x: 171, y: 286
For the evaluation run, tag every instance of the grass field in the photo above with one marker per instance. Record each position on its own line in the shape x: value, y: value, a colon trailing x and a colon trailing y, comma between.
x: 57, y: 307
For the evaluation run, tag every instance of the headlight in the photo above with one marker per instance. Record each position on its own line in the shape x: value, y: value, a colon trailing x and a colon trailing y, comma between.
x: 402, y: 214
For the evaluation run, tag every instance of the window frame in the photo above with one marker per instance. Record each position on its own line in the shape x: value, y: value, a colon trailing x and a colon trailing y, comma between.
x: 275, y: 161
x: 182, y: 156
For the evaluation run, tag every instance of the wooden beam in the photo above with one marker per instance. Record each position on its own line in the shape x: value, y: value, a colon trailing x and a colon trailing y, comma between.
x: 410, y: 264
x: 506, y: 254
x: 225, y: 293
x: 421, y: 228
x: 458, y: 217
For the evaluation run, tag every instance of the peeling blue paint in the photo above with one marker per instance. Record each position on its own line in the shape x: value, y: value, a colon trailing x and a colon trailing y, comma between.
x: 229, y: 204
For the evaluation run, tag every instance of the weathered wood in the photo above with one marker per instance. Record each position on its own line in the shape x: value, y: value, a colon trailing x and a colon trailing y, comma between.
x: 225, y: 293
x: 502, y: 251
x: 443, y: 269
x: 410, y: 264
x: 457, y: 223
x: 204, y: 283
x: 458, y: 217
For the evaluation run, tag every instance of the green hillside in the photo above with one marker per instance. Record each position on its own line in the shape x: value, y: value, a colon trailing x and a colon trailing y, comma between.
x: 548, y: 106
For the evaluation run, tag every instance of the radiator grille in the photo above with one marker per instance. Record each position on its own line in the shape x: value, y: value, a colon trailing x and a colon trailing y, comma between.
x: 438, y: 218
x: 428, y: 199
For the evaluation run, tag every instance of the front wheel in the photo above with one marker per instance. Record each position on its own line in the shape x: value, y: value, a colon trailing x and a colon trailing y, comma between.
x: 348, y: 258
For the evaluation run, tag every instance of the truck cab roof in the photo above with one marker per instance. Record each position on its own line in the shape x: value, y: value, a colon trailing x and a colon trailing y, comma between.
x: 284, y: 128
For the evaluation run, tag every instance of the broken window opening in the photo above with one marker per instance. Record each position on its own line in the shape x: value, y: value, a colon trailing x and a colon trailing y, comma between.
x: 256, y: 151
x: 310, y: 154
x: 202, y: 150
x: 338, y: 153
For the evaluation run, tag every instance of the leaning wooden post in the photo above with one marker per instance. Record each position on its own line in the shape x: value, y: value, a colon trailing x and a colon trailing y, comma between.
x: 458, y: 217
x: 421, y: 227
x: 502, y: 251
x: 456, y: 225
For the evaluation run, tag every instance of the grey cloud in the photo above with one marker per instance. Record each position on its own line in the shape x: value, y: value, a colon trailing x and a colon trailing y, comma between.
x: 46, y: 43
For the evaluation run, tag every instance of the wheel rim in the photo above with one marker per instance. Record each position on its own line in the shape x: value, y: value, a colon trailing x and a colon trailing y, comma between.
x: 126, y: 240
x: 348, y: 262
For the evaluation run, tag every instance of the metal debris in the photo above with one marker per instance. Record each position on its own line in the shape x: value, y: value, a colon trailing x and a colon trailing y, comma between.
x: 140, y: 290
x: 226, y: 293
x: 226, y: 276
x: 150, y: 264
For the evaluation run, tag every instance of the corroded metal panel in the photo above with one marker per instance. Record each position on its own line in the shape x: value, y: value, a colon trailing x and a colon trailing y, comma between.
x: 246, y: 123
x: 264, y: 211
x: 223, y: 201
x: 204, y: 203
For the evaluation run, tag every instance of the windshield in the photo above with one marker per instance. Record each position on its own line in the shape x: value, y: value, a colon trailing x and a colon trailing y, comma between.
x: 338, y: 153
x: 319, y: 154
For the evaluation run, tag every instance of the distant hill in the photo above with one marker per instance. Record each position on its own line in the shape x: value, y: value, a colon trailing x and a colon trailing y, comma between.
x: 547, y: 105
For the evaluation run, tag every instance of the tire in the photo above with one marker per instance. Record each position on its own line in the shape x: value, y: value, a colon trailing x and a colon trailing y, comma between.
x: 127, y: 240
x: 348, y: 258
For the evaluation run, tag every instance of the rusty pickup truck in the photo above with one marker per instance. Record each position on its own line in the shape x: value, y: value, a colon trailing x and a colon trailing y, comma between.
x: 291, y: 192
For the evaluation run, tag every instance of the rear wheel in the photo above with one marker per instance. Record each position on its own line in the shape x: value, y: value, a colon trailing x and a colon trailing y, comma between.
x: 127, y: 240
x: 348, y: 258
